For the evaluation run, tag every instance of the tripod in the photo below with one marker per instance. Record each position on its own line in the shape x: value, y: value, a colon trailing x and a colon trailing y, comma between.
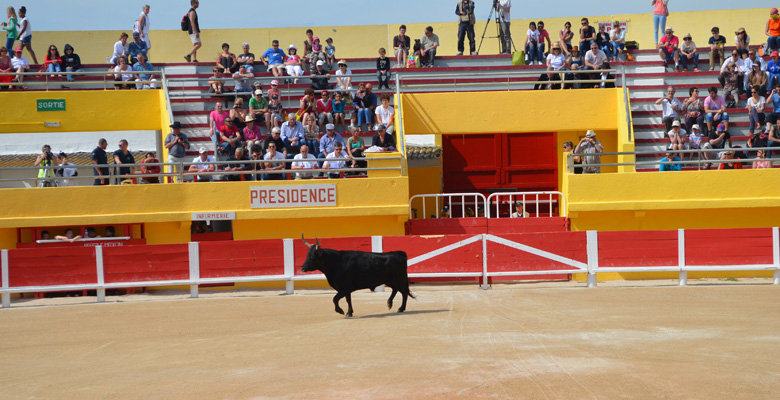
x: 499, y: 30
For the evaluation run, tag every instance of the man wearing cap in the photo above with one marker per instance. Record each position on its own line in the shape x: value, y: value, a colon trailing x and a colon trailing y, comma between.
x: 144, y: 66
x: 592, y: 147
x: 670, y: 108
x: 243, y: 80
x: 519, y: 211
x: 246, y: 58
x: 304, y: 161
x: 319, y: 77
x: 258, y: 107
x: 465, y: 12
x: 203, y: 163
x: 292, y: 134
x: 338, y: 152
x: 276, y: 139
x: 328, y: 141
x: 345, y: 83
x: 689, y: 54
x: 677, y: 136
x: 670, y: 157
x: 669, y: 48
x: 20, y: 64
x: 273, y: 59
x: 136, y: 47
x: 177, y: 144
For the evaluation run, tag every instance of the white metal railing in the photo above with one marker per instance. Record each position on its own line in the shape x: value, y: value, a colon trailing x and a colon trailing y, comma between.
x: 447, y: 206
x: 502, y: 79
x: 550, y: 199
x: 53, y: 79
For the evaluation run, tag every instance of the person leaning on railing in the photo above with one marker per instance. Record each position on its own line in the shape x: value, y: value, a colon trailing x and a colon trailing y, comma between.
x: 592, y: 147
x: 46, y: 159
x: 203, y: 163
x: 144, y: 66
x: 151, y: 169
x: 238, y: 155
x: 670, y: 157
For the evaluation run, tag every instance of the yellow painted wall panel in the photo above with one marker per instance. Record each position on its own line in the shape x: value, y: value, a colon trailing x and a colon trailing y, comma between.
x: 167, y: 232
x: 8, y: 238
x: 324, y: 226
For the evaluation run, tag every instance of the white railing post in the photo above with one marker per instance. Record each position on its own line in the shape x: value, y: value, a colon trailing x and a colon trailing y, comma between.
x: 377, y: 247
x: 681, y: 257
x: 194, y: 254
x: 485, y: 283
x: 289, y: 265
x: 6, y: 285
x: 593, y: 257
x: 101, y: 291
x: 776, y: 254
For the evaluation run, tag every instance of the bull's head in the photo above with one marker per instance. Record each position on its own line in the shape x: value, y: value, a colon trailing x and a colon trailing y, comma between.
x: 314, y: 258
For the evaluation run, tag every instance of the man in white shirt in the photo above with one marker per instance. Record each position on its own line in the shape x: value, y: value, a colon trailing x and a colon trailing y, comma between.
x: 272, y: 163
x: 519, y: 211
x: 593, y: 59
x: 143, y: 27
x: 68, y: 171
x: 670, y: 107
x: 337, y: 153
x: 20, y: 64
x: 204, y: 163
x: 385, y: 113
x: 503, y: 7
x: 300, y: 164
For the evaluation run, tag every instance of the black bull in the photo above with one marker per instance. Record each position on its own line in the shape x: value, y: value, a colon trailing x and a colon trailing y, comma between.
x: 348, y: 271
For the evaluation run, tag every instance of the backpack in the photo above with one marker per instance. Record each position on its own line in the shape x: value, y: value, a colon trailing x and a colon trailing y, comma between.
x: 185, y: 22
x: 136, y: 27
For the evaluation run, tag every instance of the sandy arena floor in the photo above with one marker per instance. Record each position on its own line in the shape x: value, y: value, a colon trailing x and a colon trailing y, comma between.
x: 711, y: 340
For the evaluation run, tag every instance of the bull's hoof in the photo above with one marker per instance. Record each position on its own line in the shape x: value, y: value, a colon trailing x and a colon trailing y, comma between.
x: 348, y: 315
x: 340, y: 311
x: 389, y: 305
x: 400, y: 310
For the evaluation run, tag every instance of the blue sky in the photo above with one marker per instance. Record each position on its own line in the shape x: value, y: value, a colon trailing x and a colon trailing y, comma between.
x: 166, y: 14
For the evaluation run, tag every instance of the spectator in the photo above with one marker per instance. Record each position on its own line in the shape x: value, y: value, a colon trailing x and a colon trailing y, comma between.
x: 587, y: 35
x: 123, y: 156
x: 329, y: 140
x: 742, y: 41
x: 46, y: 159
x: 695, y: 139
x: 773, y: 140
x: 564, y: 37
x: 11, y: 27
x: 715, y: 107
x: 733, y: 78
x: 383, y: 69
x: 273, y: 118
x: 760, y: 138
x: 385, y: 114
x: 384, y: 140
x: 465, y: 12
x: 693, y: 109
x: 136, y: 47
x: 216, y: 121
x: 719, y: 139
x: 123, y: 66
x: 238, y: 114
x: 202, y: 164
x: 68, y: 236
x: 238, y: 155
x: 306, y: 104
x: 20, y: 65
x: 602, y: 40
x: 5, y: 68
x: 100, y: 160
x: 324, y: 109
x: 772, y: 71
x: 688, y: 53
x: 91, y: 233
x: 533, y: 44
x: 194, y: 31
x: 568, y: 147
x: 121, y: 48
x: 143, y: 66
x: 503, y: 7
x: 274, y: 90
x: 670, y: 157
x: 355, y: 147
x: 293, y: 62
x: 246, y: 58
x: 677, y: 137
x: 275, y: 138
x: 319, y: 77
x: 519, y: 211
x: 308, y: 44
x: 251, y: 132
x: 773, y: 30
x: 545, y: 36
x: 594, y: 58
x: 273, y: 58
x: 592, y: 147
x: 25, y: 33
x: 366, y: 110
x: 660, y: 12
x: 338, y: 152
x: 229, y: 136
x: 669, y: 49
x: 401, y: 46
x: 72, y: 63
x: 316, y: 53
x: 292, y: 134
x: 227, y: 61
x: 144, y: 26
x: 304, y: 161
x: 730, y: 163
x: 272, y: 163
x: 618, y: 40
x: 345, y: 82
x: 338, y: 111
x: 717, y: 43
x: 150, y: 170
x: 774, y: 99
x: 757, y: 72
x: 177, y: 144
x: 216, y: 85
x: 256, y: 160
x: 109, y: 232
x: 330, y: 53
x: 243, y: 80
x: 761, y: 161
x: 429, y: 43
x: 737, y: 60
x: 670, y: 106
x: 53, y: 61
x: 576, y: 65
x: 607, y: 79
x: 311, y: 133
x: 258, y: 109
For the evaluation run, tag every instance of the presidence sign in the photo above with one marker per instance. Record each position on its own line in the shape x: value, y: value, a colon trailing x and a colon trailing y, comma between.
x: 292, y: 196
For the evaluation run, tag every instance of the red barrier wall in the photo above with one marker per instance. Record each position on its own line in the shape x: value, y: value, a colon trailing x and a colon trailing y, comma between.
x: 502, y: 226
x: 463, y: 259
x: 51, y: 266
x: 241, y: 258
x: 638, y: 249
x: 156, y: 262
x: 728, y: 246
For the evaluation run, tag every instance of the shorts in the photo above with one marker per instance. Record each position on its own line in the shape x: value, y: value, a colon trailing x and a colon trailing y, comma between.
x: 27, y: 40
x: 724, y: 117
x: 279, y: 65
x: 277, y: 117
x: 398, y: 51
x: 669, y: 56
x: 194, y: 38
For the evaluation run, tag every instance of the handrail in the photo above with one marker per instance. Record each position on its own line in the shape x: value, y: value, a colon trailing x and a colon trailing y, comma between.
x: 692, y: 152
x: 492, y: 200
x: 449, y: 196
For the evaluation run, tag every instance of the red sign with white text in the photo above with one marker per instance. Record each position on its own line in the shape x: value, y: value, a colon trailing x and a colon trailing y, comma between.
x: 292, y: 196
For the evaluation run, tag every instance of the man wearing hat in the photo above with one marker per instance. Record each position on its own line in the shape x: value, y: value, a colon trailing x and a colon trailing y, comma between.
x: 669, y: 48
x: 319, y: 76
x: 742, y: 41
x: 292, y: 134
x: 203, y: 163
x: 592, y: 147
x: 328, y: 141
x: 519, y: 211
x: 137, y: 47
x: 176, y: 143
x: 344, y: 84
x: 688, y: 53
x: 258, y: 107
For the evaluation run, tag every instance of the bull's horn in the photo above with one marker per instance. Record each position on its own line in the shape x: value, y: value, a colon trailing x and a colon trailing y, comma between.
x: 305, y: 242
x: 318, y: 241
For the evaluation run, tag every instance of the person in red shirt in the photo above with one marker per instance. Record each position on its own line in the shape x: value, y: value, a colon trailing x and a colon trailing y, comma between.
x: 230, y: 137
x: 53, y: 61
x: 669, y: 48
x: 324, y: 109
x: 152, y: 169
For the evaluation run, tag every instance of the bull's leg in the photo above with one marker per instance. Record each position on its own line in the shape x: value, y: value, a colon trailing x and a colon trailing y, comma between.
x: 404, y: 294
x: 349, y: 304
x: 390, y: 300
x: 336, y: 299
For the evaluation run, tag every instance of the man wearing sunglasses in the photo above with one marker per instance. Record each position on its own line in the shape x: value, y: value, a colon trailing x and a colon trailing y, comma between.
x: 20, y: 64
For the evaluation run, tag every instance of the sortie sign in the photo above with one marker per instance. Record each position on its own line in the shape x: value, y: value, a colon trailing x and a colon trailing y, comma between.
x: 292, y: 196
x: 51, y: 105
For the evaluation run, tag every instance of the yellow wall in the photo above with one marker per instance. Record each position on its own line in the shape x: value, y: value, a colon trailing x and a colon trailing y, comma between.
x: 324, y: 226
x: 8, y: 238
x: 363, y: 41
x: 425, y: 180
x: 167, y: 232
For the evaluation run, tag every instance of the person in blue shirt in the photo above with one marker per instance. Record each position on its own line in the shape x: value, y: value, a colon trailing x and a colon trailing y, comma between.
x: 670, y: 167
x: 773, y: 71
x: 136, y: 47
x: 774, y: 100
x: 273, y: 58
x: 143, y: 65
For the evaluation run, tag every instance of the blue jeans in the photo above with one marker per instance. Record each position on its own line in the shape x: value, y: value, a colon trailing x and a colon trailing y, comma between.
x: 9, y: 44
x: 466, y: 29
x: 72, y: 78
x: 383, y: 79
x: 658, y: 20
x: 684, y: 60
x: 616, y: 47
x: 710, y: 117
x: 54, y: 68
x: 770, y: 81
x: 364, y: 115
x: 534, y: 51
x: 314, y: 146
x: 607, y: 49
x: 772, y: 41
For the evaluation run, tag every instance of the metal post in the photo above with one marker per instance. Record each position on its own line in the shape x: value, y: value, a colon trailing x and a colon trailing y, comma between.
x: 6, y: 285
x: 289, y: 265
x: 101, y: 291
x: 593, y: 257
x: 681, y: 257
x: 485, y: 283
x: 194, y: 254
x: 377, y: 247
x: 776, y: 254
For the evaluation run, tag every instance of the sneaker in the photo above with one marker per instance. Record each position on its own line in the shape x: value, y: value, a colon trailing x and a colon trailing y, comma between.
x: 696, y: 70
x: 685, y: 69
x: 473, y: 53
x: 188, y: 58
x: 676, y: 69
x: 460, y: 53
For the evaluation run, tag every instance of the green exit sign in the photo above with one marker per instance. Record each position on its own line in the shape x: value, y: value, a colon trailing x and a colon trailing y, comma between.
x: 51, y: 105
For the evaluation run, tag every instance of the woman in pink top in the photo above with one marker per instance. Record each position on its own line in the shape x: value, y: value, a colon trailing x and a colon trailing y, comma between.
x: 660, y: 12
x: 761, y: 161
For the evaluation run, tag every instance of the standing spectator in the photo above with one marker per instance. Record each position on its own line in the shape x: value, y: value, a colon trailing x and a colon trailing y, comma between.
x: 273, y: 58
x: 68, y: 170
x: 338, y: 152
x: 144, y: 25
x: 46, y: 159
x: 384, y: 140
x: 324, y: 109
x: 21, y: 64
x: 144, y: 66
x: 203, y: 163
x: 308, y: 45
x: 5, y: 68
x: 123, y: 66
x: 304, y: 161
x: 243, y: 80
x: 293, y: 63
x: 742, y: 41
x: 617, y: 40
x: 587, y: 35
x: 532, y: 44
x: 25, y: 33
x: 124, y: 156
x: 504, y: 23
x: 72, y: 63
x: 272, y: 163
x: 717, y: 43
x: 136, y: 47
x: 150, y: 170
x: 660, y: 12
x: 383, y: 69
x: 177, y: 145
x: 227, y: 61
x: 246, y: 58
x: 385, y: 114
x: 121, y: 48
x: 566, y: 36
x: 330, y: 53
x: 100, y: 160
x: 773, y: 71
x: 592, y: 147
x: 345, y: 82
x: 11, y: 27
x: 230, y: 137
x: 311, y: 133
x: 251, y: 132
x: 757, y: 79
x: 338, y: 110
x: 715, y: 107
x: 292, y: 134
x: 429, y: 43
x: 688, y: 53
x: 669, y: 49
x: 401, y: 45
x: 773, y: 30
x: 194, y: 31
x: 355, y: 147
x: 670, y: 157
x: 670, y: 106
x: 465, y: 12
x: 53, y: 61
x: 732, y: 78
x: 319, y: 77
x: 366, y: 111
x: 693, y: 109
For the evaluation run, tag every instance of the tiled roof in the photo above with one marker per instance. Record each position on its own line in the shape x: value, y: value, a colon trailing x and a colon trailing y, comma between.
x: 417, y: 152
x: 27, y: 160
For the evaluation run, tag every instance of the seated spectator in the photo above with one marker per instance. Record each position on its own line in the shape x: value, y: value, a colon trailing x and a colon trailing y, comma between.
x: 243, y: 80
x: 72, y: 62
x: 344, y: 83
x: 238, y: 114
x: 109, y: 232
x: 773, y: 30
x: 316, y: 53
x: 695, y: 138
x: 324, y: 109
x: 732, y: 78
x: 731, y: 162
x: 565, y: 36
x: 602, y: 40
x: 144, y: 66
x: 338, y: 152
x: 274, y: 90
x: 123, y: 67
x: 366, y: 106
x: 258, y: 108
x: 693, y: 109
x: 216, y: 85
x: 605, y: 77
x: 670, y: 157
x: 256, y: 161
x: 273, y: 58
x: 238, y: 155
x: 429, y: 44
x: 91, y: 233
x: 338, y: 110
x: 293, y: 63
x: 689, y: 54
x: 136, y: 47
x: 761, y: 161
x: 355, y: 148
x: 592, y: 147
x: 757, y: 79
x: 121, y: 48
x: 45, y: 235
x: 677, y: 137
x: 304, y: 161
x: 328, y: 141
x: 292, y: 134
x: 311, y: 133
x: 519, y: 211
x: 385, y: 114
x: 717, y: 43
x: 53, y: 61
x: 401, y: 46
x: 272, y: 163
x: 593, y: 59
x: 587, y: 35
x: 617, y: 40
x: 533, y: 44
x: 68, y: 236
x: 755, y: 105
x: 384, y: 140
x: 227, y: 61
x: 742, y: 41
x: 715, y: 107
x: 735, y: 59
x: 246, y: 58
x: 330, y: 53
x: 383, y: 69
x: 150, y: 170
x: 251, y: 132
x: 273, y: 118
x: 773, y: 71
x: 203, y: 163
x: 556, y: 61
x: 773, y: 138
x: 718, y: 139
x: 5, y: 68
x: 319, y: 77
x: 276, y: 137
x: 306, y: 104
x: 669, y: 49
x: 545, y: 37
x: 230, y: 137
x: 20, y: 64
